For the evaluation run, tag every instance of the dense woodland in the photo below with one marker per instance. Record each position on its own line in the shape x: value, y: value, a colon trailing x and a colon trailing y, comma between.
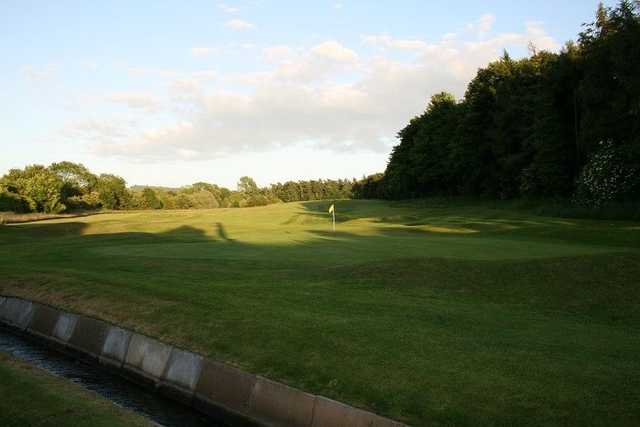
x: 554, y: 125
x: 563, y: 125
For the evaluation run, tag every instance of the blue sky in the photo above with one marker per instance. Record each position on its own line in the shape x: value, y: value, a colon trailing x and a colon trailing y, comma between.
x: 170, y: 93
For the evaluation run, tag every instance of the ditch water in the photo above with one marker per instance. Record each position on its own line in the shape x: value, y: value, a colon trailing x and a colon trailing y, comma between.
x: 153, y: 406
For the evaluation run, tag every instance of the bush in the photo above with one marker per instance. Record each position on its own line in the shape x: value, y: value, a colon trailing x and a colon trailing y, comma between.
x: 11, y: 202
x: 610, y: 175
x: 89, y: 201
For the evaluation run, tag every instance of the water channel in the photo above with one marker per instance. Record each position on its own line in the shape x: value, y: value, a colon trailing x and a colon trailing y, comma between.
x: 153, y: 406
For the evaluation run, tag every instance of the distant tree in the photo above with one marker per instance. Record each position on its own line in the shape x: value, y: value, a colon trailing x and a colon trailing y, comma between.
x: 78, y: 185
x: 247, y: 185
x: 204, y: 200
x: 39, y: 188
x: 182, y: 201
x: 150, y: 200
x: 76, y: 178
x: 237, y: 200
x: 370, y: 187
x: 112, y: 190
x: 292, y: 191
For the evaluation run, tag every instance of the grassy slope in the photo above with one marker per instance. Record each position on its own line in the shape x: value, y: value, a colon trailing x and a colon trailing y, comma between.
x: 32, y: 397
x: 460, y: 315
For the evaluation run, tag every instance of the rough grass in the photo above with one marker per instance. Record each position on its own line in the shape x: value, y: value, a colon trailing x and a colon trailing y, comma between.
x: 428, y: 313
x: 32, y: 397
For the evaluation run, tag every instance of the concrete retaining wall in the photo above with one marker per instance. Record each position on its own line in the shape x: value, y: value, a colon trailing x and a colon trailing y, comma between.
x: 44, y: 320
x: 183, y: 370
x: 225, y: 385
x: 206, y: 384
x: 17, y: 312
x: 328, y: 412
x: 280, y: 404
x: 88, y: 336
x: 64, y: 327
x: 116, y: 344
x: 147, y: 357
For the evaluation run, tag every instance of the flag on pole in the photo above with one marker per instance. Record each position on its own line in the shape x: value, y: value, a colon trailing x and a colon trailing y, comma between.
x: 332, y: 211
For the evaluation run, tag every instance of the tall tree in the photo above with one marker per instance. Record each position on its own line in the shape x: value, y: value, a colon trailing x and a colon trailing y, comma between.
x: 40, y: 188
x: 247, y: 185
x: 112, y: 190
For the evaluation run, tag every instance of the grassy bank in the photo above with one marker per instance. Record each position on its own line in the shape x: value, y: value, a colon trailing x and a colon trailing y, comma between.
x: 32, y: 397
x: 429, y: 313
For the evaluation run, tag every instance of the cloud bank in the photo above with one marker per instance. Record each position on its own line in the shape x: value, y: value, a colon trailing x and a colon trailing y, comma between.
x: 326, y: 96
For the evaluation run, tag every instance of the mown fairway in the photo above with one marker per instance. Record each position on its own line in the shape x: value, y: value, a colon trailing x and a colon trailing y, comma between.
x: 434, y: 315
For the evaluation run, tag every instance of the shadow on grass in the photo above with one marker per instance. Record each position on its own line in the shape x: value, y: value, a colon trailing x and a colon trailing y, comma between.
x: 595, y: 281
x: 222, y: 233
x: 316, y: 297
x: 513, y: 270
x: 476, y: 222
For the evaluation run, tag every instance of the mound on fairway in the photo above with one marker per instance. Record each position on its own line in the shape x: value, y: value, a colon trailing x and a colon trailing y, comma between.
x: 439, y: 314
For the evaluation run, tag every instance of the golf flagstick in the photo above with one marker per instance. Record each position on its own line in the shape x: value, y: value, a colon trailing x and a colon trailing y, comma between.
x: 334, y: 219
x: 332, y: 211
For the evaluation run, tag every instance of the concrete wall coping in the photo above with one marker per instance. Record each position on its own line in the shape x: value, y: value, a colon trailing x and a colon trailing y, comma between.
x: 191, y: 377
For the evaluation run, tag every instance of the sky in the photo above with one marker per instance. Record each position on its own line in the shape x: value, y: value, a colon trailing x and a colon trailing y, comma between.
x: 175, y: 92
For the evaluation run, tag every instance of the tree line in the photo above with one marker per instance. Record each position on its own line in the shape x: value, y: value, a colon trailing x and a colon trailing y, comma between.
x: 552, y: 125
x: 66, y: 186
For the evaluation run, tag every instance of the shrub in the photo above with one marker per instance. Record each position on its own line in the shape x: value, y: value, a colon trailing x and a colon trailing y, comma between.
x: 609, y: 176
x: 11, y: 202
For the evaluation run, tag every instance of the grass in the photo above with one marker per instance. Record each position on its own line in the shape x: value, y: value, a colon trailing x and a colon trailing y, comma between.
x: 15, y: 218
x: 432, y: 313
x: 32, y: 397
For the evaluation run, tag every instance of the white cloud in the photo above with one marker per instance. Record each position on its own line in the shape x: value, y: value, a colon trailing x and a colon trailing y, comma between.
x: 203, y: 51
x: 145, y: 145
x: 313, y: 65
x: 482, y: 26
x: 39, y: 74
x: 203, y: 75
x: 139, y: 101
x: 334, y: 51
x: 244, y: 46
x: 153, y: 72
x: 239, y: 25
x: 188, y: 85
x: 171, y: 74
x: 188, y: 90
x: 101, y: 131
x: 227, y: 8
x: 327, y: 96
x: 538, y: 36
x: 277, y: 53
x: 485, y: 23
x: 386, y: 41
x: 89, y: 65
